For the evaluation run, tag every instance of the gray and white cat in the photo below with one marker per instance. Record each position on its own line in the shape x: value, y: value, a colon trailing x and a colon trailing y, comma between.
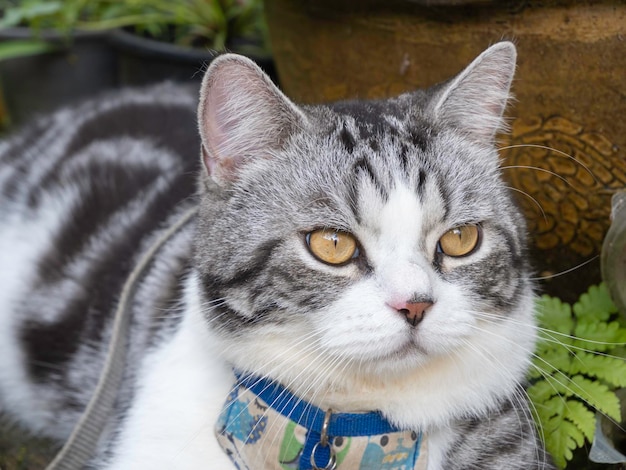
x: 366, y: 255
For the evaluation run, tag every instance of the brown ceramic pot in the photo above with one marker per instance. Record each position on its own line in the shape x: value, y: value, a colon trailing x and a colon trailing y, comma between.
x: 570, y: 93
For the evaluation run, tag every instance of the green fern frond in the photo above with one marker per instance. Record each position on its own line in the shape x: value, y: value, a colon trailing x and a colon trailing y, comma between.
x: 597, y: 395
x: 599, y: 336
x: 585, y: 420
x: 576, y: 370
x: 562, y: 438
x: 595, y: 304
x: 611, y: 370
x: 555, y: 315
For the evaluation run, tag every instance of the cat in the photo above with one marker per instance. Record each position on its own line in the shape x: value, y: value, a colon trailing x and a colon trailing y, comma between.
x: 359, y: 257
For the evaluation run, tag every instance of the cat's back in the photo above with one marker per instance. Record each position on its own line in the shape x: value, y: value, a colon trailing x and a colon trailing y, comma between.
x: 148, y: 129
x: 83, y: 191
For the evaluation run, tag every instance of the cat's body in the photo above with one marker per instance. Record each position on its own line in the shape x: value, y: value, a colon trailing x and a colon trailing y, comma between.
x: 437, y: 343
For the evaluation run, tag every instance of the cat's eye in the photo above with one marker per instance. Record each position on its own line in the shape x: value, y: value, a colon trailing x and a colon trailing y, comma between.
x: 332, y: 246
x: 460, y: 241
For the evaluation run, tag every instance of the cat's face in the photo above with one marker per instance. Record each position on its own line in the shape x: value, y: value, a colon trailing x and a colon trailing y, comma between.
x: 364, y: 240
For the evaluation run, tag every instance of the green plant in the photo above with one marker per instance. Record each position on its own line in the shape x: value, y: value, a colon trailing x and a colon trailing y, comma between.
x: 579, y: 363
x: 211, y: 24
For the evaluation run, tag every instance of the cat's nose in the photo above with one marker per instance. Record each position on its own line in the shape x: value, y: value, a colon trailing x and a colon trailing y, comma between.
x: 413, y: 311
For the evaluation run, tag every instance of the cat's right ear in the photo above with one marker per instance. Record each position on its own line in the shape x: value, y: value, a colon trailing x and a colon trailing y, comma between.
x: 242, y: 115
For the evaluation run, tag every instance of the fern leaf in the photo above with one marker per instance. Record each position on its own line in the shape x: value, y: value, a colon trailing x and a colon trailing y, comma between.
x: 554, y: 315
x: 594, y: 393
x: 555, y: 321
x: 583, y: 418
x: 569, y: 379
x: 595, y: 304
x: 599, y: 336
x: 535, y: 372
x: 564, y: 425
x: 540, y: 393
x: 597, y: 395
x: 557, y: 359
x: 562, y: 437
x: 609, y: 369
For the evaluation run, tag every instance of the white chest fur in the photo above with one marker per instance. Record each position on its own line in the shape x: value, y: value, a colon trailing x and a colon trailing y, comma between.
x: 182, y: 389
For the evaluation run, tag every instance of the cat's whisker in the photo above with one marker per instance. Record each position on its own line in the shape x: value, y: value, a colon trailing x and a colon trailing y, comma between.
x: 551, y: 149
x: 551, y: 335
x: 268, y: 376
x: 567, y: 271
x: 297, y: 392
x: 530, y: 167
x: 489, y: 356
x: 521, y: 393
x: 327, y: 362
x: 517, y: 190
x: 558, y: 377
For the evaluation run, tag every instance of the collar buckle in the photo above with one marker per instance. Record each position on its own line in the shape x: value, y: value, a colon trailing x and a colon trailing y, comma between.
x: 324, y: 442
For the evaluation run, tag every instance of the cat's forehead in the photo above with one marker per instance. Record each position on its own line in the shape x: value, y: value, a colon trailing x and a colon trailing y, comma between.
x: 367, y: 120
x: 391, y: 142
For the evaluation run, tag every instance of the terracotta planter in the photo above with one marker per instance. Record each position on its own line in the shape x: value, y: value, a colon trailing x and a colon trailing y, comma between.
x: 570, y: 90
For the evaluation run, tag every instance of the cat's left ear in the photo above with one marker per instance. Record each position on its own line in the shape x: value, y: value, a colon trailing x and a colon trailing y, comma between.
x: 242, y: 116
x: 474, y: 100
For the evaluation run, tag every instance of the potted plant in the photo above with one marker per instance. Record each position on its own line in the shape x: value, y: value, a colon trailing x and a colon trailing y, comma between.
x: 106, y: 43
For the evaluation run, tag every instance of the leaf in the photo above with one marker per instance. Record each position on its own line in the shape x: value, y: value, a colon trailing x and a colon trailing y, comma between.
x: 11, y: 49
x: 562, y: 437
x: 564, y: 424
x: 595, y: 304
x: 29, y: 10
x: 540, y: 392
x: 606, y: 368
x: 554, y: 315
x: 558, y: 358
x: 569, y: 380
x: 597, y: 395
x: 593, y: 335
x: 583, y: 418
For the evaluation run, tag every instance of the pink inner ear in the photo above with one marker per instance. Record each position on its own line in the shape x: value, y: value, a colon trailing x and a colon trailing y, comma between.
x: 209, y: 162
x: 244, y: 116
x: 220, y: 127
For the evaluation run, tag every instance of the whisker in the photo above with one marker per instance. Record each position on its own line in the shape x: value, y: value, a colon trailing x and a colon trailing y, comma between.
x: 496, y: 319
x: 551, y: 149
x: 520, y: 395
x: 545, y: 217
x: 558, y: 377
x: 530, y: 167
x: 552, y: 276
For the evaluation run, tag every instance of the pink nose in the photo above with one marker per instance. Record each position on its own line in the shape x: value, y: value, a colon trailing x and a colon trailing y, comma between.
x: 413, y: 311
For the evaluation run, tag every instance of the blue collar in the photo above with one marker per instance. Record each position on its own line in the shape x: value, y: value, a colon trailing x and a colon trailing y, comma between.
x: 310, y: 416
x: 324, y: 429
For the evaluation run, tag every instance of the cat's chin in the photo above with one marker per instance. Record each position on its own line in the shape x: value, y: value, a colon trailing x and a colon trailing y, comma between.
x: 400, y: 359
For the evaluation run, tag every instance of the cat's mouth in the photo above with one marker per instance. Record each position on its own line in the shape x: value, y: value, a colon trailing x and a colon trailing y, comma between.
x: 407, y: 350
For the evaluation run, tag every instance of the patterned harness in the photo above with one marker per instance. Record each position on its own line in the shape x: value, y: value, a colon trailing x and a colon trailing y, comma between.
x: 264, y: 426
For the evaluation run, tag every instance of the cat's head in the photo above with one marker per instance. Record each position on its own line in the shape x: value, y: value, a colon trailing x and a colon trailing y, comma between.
x: 367, y: 247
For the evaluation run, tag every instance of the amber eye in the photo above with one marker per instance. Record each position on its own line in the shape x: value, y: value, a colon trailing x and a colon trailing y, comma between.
x: 460, y: 241
x: 332, y: 246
